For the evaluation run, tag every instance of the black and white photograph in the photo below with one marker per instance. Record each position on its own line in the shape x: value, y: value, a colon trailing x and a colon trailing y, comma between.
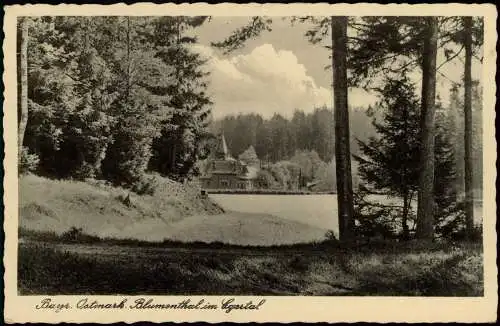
x: 264, y: 156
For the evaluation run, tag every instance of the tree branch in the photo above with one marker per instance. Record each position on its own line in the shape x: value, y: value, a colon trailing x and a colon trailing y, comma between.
x: 452, y: 81
x: 451, y: 58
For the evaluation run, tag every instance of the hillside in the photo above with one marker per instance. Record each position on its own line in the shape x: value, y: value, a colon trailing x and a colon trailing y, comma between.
x: 175, y: 212
x: 58, y: 205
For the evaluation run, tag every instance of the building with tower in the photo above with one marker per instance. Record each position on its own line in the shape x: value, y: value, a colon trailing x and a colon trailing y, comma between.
x: 225, y: 172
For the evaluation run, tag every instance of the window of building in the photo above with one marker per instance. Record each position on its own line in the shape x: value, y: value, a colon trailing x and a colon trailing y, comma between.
x: 224, y: 183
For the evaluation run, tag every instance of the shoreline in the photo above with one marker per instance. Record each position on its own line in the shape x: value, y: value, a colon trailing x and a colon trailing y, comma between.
x: 263, y: 192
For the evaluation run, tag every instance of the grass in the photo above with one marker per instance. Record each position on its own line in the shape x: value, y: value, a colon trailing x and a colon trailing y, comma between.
x: 107, y: 266
x: 57, y: 205
x: 81, y: 238
x: 176, y: 211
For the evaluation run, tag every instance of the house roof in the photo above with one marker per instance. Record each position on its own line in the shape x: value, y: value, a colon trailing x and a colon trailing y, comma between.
x: 221, y: 151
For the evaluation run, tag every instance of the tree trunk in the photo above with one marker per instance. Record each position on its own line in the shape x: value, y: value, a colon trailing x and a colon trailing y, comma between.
x: 425, y: 212
x: 341, y: 116
x: 469, y: 198
x: 173, y: 157
x: 23, y: 81
x: 404, y: 220
x: 128, y: 63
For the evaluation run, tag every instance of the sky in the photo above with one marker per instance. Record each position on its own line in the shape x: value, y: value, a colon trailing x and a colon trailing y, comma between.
x: 280, y: 71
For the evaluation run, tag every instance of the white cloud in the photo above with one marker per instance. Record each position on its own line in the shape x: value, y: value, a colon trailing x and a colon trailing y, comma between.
x: 265, y: 81
x: 269, y: 81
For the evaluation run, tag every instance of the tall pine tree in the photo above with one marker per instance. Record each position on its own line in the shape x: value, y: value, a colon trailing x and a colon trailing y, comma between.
x: 139, y: 107
x: 389, y: 164
x: 177, y: 149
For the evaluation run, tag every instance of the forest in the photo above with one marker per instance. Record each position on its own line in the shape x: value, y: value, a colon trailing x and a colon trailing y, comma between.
x: 306, y: 140
x: 111, y: 97
x: 119, y: 98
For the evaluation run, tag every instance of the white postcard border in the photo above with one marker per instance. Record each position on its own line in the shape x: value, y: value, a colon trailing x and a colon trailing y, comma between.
x: 276, y: 309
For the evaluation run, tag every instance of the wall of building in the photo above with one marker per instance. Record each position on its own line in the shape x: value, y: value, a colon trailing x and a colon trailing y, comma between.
x: 226, y: 181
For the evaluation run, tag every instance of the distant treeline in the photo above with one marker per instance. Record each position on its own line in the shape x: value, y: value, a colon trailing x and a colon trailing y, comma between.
x: 278, y: 138
x: 307, y: 135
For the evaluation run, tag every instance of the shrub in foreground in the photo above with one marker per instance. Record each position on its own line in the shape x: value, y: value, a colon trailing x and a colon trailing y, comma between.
x: 27, y: 162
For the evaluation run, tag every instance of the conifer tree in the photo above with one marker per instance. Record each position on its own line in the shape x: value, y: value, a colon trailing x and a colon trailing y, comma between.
x: 176, y: 150
x: 139, y: 107
x: 249, y: 156
x: 389, y: 164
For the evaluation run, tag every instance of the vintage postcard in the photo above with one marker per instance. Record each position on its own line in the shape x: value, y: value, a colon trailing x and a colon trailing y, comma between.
x: 250, y: 163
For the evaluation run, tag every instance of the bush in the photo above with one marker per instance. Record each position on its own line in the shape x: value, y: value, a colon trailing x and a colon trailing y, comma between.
x: 372, y: 220
x: 146, y: 186
x: 424, y: 274
x: 27, y: 162
x: 265, y: 179
x: 461, y: 234
x: 451, y: 225
x: 299, y: 264
x: 330, y: 236
x: 73, y: 234
x: 281, y: 174
x: 127, y: 158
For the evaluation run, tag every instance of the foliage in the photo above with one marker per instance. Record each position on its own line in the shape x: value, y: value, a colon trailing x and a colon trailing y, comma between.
x: 389, y: 165
x: 376, y: 220
x: 73, y: 234
x: 309, y: 162
x: 238, y: 38
x: 27, y: 162
x: 454, y: 122
x: 249, y: 156
x: 265, y: 180
x: 325, y: 175
x: 386, y: 45
x: 330, y: 236
x: 293, y: 171
x: 281, y: 174
x: 146, y: 185
x: 277, y: 138
x: 103, y: 89
x: 177, y: 148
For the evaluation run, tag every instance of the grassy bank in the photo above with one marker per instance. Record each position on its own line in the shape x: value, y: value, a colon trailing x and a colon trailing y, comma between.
x: 101, y: 210
x: 84, y: 238
x: 217, y: 269
x: 176, y: 211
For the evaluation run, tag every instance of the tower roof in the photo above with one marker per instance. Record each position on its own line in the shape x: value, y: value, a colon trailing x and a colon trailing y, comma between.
x: 221, y: 151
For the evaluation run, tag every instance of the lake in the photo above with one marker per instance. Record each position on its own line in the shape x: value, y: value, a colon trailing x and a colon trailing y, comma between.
x: 315, y: 210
